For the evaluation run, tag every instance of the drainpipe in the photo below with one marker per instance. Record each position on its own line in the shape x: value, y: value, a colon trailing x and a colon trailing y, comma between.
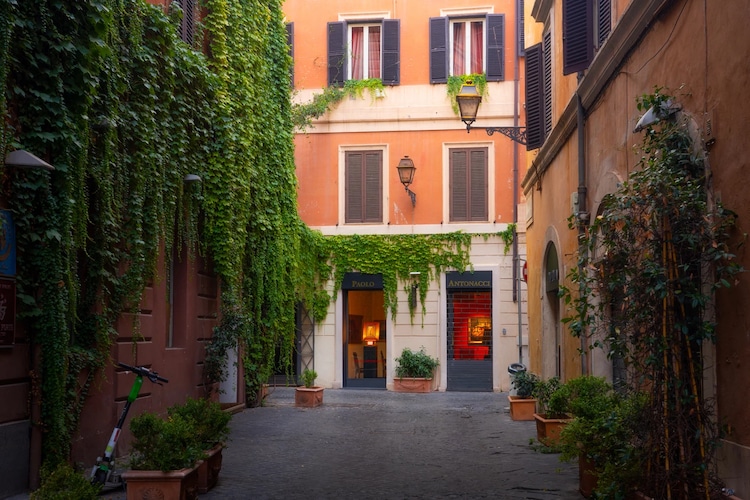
x: 516, y: 257
x: 582, y: 215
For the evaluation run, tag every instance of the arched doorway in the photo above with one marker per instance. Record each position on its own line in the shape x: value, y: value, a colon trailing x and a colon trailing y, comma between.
x: 551, y: 330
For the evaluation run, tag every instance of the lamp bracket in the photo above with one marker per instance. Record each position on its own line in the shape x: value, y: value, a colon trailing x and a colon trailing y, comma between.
x: 412, y: 195
x: 517, y: 134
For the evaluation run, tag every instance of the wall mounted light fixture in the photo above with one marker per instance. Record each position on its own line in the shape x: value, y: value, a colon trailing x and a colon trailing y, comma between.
x: 414, y: 275
x: 468, y: 100
x: 406, y: 171
x: 23, y: 159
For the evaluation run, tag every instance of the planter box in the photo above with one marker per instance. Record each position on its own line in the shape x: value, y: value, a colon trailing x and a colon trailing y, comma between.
x: 412, y: 384
x: 308, y: 397
x: 522, y: 408
x: 548, y: 429
x: 208, y: 471
x: 177, y: 485
x: 587, y: 477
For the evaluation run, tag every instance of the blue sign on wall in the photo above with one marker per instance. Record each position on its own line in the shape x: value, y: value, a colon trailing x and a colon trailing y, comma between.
x: 7, y: 244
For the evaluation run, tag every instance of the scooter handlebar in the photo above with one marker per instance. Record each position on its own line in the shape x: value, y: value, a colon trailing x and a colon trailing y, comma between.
x: 145, y: 372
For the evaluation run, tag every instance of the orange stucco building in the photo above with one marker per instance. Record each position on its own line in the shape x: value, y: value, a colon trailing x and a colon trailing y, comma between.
x: 423, y: 44
x: 695, y: 49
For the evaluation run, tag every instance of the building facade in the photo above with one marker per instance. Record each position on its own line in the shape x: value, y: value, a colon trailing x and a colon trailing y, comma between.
x: 581, y: 101
x: 474, y: 323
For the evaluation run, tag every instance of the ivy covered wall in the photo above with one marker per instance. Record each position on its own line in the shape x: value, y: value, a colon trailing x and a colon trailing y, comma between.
x: 106, y: 92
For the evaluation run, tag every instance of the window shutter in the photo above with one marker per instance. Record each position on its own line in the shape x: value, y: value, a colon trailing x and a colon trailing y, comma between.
x: 373, y: 187
x: 290, y: 42
x: 495, y: 50
x: 391, y: 52
x: 534, y: 88
x: 354, y: 193
x: 336, y: 53
x: 438, y: 49
x: 459, y: 189
x: 478, y: 184
x: 187, y: 25
x: 578, y: 36
x: 547, y: 83
x: 604, y: 21
x: 363, y: 178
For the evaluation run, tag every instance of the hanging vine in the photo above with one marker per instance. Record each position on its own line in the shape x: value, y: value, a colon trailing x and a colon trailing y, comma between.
x: 648, y: 270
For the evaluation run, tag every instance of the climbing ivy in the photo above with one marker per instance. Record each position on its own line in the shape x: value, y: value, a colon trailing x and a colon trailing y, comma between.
x: 648, y: 269
x: 106, y: 92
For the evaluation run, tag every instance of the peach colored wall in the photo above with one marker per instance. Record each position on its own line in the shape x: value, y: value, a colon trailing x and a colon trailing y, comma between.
x: 318, y: 174
x: 695, y: 51
x: 310, y: 55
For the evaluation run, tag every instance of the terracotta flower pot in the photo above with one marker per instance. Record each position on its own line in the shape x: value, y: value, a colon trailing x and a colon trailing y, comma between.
x: 308, y: 397
x: 412, y: 384
x: 177, y: 485
x: 548, y: 429
x: 208, y: 471
x: 587, y: 477
x: 522, y: 408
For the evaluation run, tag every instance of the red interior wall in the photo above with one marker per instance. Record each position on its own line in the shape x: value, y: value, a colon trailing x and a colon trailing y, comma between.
x: 468, y: 305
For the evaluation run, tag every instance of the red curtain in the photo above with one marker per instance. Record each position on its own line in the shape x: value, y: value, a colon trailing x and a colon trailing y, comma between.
x: 477, y: 47
x: 459, y: 49
x: 357, y: 55
x: 373, y: 40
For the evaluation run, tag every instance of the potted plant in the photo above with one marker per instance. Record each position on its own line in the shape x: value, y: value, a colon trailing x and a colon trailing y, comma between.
x: 605, y: 437
x: 523, y: 402
x: 211, y: 427
x: 308, y: 395
x: 552, y: 412
x: 164, y: 458
x: 414, y: 371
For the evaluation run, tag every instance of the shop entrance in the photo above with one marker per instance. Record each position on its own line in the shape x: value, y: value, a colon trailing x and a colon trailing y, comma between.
x: 364, y: 335
x: 469, y: 331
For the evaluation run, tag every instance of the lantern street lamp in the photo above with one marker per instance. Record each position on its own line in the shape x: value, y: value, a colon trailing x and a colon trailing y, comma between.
x: 406, y: 171
x: 468, y: 100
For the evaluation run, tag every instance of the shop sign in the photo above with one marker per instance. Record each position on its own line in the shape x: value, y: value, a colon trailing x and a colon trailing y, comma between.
x: 481, y: 280
x: 360, y: 281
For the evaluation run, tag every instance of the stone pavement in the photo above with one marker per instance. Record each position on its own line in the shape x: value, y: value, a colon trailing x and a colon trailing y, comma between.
x: 370, y: 444
x: 374, y: 444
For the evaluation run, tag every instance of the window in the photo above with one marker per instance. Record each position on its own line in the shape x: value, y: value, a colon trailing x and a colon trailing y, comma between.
x: 467, y: 47
x: 534, y: 97
x: 539, y: 92
x: 187, y: 24
x: 468, y: 185
x: 364, y: 50
x: 460, y: 46
x: 290, y: 43
x: 363, y: 186
x: 586, y: 25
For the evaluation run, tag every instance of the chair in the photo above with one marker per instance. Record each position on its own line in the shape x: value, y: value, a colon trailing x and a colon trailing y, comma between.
x: 382, y: 361
x: 358, y: 370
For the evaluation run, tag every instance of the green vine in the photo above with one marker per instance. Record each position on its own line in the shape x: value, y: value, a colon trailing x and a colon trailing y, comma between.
x: 648, y: 269
x: 304, y: 113
x: 106, y: 92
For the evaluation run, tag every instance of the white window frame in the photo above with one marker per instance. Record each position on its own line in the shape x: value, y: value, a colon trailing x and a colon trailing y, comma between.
x: 365, y: 49
x: 467, y: 41
x: 343, y: 149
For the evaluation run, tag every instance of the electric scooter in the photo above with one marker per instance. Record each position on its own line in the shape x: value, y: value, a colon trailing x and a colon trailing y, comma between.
x: 102, y: 472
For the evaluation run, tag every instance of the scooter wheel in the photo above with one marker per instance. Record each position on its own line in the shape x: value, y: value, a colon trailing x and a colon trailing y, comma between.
x: 100, y: 477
